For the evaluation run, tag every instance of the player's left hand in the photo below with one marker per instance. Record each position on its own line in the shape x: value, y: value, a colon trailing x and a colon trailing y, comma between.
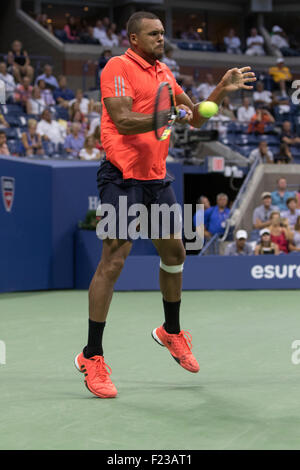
x: 236, y: 79
x: 188, y: 117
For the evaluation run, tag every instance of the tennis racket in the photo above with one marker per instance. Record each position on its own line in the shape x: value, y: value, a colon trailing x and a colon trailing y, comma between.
x: 165, y: 112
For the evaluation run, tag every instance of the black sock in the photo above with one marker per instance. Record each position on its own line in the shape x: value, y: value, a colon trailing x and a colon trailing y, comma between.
x: 171, y: 324
x: 94, y: 346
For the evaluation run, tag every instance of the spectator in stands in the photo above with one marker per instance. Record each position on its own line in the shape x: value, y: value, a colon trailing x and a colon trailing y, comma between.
x: 103, y: 59
x: 23, y: 92
x: 232, y: 43
x: 281, y: 195
x: 48, y: 77
x: 284, y: 155
x: 111, y: 39
x: 281, y: 75
x: 99, y: 31
x: 295, y: 242
x: 45, y: 22
x: 287, y: 136
x: 85, y: 105
x: 9, y: 81
x: 246, y: 111
x: 31, y: 142
x: 191, y: 34
x: 265, y: 245
x: 46, y: 93
x: 262, y: 152
x: 3, y: 145
x: 35, y: 104
x: 280, y: 41
x: 255, y: 43
x: 86, y: 35
x: 12, y: 67
x: 261, y: 97
x: 63, y: 94
x: 226, y: 109
x: 205, y: 89
x: 76, y: 116
x: 74, y: 141
x: 262, y: 213
x: 89, y: 151
x: 49, y: 129
x: 285, y: 223
x: 97, y: 141
x: 292, y: 213
x: 297, y: 195
x: 21, y: 60
x: 71, y: 30
x: 205, y: 201
x: 123, y: 38
x: 279, y: 234
x: 3, y: 123
x: 239, y: 247
x: 96, y: 120
x: 171, y: 63
x: 259, y: 120
x: 215, y: 217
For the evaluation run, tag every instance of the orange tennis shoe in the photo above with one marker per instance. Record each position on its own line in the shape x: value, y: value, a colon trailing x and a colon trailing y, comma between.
x: 97, y: 378
x: 179, y: 345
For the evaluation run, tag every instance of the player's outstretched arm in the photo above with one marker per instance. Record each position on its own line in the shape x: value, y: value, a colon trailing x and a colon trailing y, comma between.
x: 233, y: 80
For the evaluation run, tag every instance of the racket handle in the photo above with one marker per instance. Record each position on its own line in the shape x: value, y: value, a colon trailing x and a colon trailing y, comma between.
x: 181, y: 113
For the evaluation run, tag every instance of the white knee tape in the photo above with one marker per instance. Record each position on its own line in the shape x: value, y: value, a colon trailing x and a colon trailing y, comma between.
x: 171, y: 269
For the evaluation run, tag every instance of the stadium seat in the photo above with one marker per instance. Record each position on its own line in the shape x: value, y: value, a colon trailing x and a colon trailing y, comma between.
x: 196, y: 46
x: 13, y: 146
x: 12, y: 120
x: 228, y: 140
x: 61, y: 113
x: 248, y: 139
x: 49, y: 148
x: 61, y: 35
x: 11, y: 109
x: 271, y: 139
x: 246, y: 149
x: 11, y: 133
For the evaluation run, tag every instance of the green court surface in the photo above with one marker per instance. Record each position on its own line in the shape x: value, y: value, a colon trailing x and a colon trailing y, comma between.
x: 246, y: 395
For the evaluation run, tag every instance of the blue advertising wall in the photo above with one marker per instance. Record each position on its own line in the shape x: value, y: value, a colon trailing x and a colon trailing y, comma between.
x: 200, y: 272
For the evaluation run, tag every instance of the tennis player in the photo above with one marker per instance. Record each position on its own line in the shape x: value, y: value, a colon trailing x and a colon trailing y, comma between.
x: 135, y: 166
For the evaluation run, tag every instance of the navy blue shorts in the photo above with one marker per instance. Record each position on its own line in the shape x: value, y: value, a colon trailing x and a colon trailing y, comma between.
x: 124, y: 219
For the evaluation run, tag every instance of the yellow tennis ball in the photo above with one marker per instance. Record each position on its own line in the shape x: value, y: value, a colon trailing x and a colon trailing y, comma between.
x: 208, y: 108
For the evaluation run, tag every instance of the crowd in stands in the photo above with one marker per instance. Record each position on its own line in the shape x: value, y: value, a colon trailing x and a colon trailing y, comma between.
x: 42, y: 116
x: 255, y: 43
x: 79, y: 31
x: 276, y: 223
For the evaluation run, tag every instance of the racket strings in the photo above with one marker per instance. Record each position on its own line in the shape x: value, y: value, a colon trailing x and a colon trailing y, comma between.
x: 163, y: 110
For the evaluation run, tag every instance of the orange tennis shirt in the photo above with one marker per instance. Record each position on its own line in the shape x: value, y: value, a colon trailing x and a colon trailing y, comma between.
x: 139, y: 156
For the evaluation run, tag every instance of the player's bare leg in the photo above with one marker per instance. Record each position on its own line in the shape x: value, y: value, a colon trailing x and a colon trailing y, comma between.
x: 114, y: 254
x: 172, y: 254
